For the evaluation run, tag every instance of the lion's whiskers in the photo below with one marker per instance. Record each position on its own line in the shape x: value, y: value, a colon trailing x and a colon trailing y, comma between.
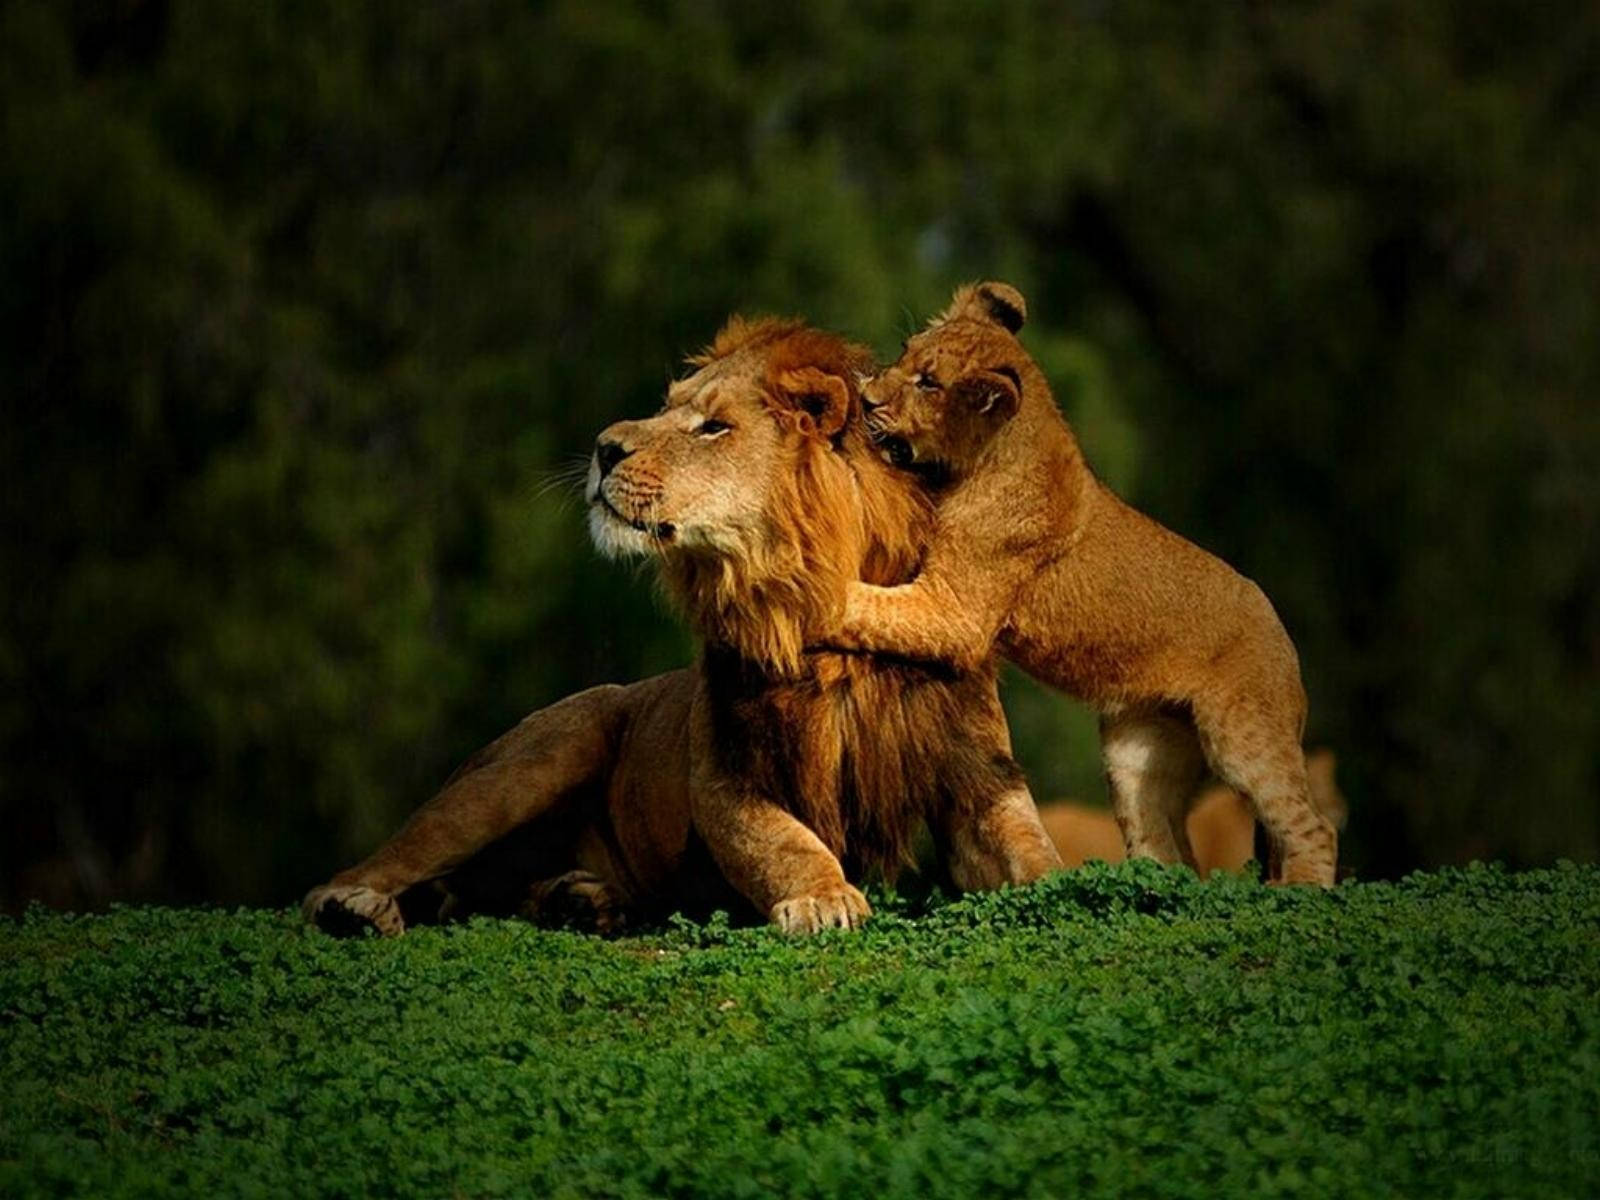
x: 569, y: 477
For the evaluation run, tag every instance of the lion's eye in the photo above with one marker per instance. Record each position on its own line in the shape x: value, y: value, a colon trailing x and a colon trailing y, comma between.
x: 926, y: 381
x: 712, y: 428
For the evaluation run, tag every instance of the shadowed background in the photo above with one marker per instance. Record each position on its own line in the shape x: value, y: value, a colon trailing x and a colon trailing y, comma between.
x: 306, y: 306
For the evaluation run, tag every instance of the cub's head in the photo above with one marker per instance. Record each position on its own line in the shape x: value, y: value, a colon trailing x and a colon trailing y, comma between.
x: 956, y: 383
x: 756, y: 491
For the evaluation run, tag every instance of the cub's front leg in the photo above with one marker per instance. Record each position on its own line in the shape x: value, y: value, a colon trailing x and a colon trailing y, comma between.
x: 951, y: 613
x: 924, y: 620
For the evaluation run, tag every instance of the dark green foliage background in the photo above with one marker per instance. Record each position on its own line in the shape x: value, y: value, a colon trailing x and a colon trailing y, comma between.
x: 304, y: 304
x: 1110, y: 1031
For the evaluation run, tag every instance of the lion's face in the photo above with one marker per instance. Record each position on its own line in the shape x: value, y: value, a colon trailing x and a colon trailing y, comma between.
x: 691, y: 478
x: 756, y: 492
x: 707, y: 474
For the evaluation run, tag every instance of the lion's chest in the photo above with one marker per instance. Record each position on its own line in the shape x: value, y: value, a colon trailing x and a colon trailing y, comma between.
x: 855, y: 748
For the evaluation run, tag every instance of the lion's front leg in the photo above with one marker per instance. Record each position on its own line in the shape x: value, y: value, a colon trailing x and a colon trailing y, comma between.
x: 771, y: 858
x: 840, y: 907
x: 782, y: 867
x: 991, y: 835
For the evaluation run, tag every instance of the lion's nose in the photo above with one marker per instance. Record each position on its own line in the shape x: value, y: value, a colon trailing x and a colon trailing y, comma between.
x: 608, y: 454
x: 867, y: 402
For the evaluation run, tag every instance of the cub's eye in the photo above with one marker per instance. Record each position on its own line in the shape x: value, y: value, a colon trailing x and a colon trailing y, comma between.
x: 926, y: 381
x: 712, y: 428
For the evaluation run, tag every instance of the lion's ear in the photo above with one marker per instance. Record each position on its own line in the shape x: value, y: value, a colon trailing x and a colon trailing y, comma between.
x: 995, y: 394
x: 816, y: 394
x: 999, y: 303
x: 1004, y: 304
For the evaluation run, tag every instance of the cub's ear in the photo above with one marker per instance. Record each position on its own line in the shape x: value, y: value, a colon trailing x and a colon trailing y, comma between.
x: 1005, y: 304
x: 819, y: 397
x: 995, y: 394
x: 998, y: 303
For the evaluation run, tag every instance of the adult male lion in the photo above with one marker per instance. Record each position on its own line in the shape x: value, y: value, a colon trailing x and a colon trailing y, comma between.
x: 763, y: 772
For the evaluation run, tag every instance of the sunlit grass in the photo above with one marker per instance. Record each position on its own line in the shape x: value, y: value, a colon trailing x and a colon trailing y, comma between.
x: 1111, y: 1030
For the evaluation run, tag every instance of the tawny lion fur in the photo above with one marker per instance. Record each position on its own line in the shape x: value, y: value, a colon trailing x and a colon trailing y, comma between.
x: 763, y: 775
x: 1184, y: 658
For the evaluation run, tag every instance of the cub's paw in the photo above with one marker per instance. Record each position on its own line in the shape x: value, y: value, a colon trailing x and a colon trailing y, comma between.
x: 841, y: 908
x: 1305, y: 877
x: 1315, y: 869
x: 345, y: 910
x: 577, y: 900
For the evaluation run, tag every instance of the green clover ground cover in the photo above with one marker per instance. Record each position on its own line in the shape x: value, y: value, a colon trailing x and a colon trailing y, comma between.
x: 1110, y: 1031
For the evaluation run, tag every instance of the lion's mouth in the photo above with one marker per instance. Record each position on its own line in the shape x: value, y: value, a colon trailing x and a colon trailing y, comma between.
x: 896, y: 451
x: 661, y: 530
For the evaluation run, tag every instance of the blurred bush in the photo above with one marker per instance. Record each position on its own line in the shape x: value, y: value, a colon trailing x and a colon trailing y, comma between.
x: 307, y: 307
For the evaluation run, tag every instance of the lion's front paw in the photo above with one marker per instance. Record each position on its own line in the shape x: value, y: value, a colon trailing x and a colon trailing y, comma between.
x: 842, y: 908
x: 577, y: 900
x: 348, y: 909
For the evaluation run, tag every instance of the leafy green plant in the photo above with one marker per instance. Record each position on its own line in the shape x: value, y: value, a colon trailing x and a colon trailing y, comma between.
x: 1109, y: 1030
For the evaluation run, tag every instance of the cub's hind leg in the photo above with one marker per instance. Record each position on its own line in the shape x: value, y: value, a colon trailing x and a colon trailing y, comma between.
x: 1153, y: 765
x: 1254, y: 746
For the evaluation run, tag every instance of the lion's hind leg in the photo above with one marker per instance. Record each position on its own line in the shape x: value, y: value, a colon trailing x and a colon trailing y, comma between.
x: 1153, y: 765
x: 579, y: 900
x: 1255, y: 747
x: 530, y: 780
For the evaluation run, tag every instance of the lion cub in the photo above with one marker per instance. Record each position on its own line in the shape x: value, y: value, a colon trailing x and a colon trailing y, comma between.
x: 1184, y: 658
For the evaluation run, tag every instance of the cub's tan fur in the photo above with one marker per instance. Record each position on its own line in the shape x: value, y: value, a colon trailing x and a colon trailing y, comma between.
x: 1185, y: 659
x: 764, y: 775
x: 1220, y: 824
